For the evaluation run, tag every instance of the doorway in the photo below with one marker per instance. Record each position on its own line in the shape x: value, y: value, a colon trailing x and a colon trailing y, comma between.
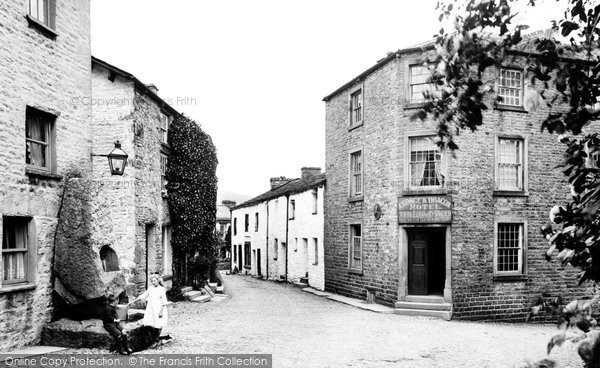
x: 239, y: 257
x: 258, y: 263
x: 426, y: 261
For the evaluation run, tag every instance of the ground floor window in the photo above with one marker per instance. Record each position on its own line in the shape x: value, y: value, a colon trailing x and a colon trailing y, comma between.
x: 316, y: 245
x: 15, y: 249
x: 509, y: 248
x: 355, y: 247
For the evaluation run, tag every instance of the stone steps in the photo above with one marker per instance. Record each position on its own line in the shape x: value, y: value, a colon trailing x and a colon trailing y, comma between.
x: 91, y: 334
x: 192, y: 294
x: 424, y: 306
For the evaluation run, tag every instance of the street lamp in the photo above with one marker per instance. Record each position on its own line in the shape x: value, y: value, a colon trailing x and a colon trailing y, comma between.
x: 117, y: 159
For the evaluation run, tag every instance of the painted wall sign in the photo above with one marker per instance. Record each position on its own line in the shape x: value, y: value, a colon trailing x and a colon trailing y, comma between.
x: 424, y: 210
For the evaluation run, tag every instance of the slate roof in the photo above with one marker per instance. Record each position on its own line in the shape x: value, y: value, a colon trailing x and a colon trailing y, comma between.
x: 292, y: 187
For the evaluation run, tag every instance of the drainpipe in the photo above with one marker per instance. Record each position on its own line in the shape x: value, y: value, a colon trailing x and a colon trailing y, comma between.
x: 287, y: 227
x: 267, y: 246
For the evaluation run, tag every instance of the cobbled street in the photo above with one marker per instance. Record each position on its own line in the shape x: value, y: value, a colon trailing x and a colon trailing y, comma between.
x: 304, y: 330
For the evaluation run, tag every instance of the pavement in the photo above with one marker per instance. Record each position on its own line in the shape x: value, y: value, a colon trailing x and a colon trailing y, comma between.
x: 304, y: 329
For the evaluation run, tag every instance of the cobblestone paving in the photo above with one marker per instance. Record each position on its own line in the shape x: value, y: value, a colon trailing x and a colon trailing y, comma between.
x: 304, y: 330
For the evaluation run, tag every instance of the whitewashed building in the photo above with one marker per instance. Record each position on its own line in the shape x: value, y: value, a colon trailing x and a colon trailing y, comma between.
x: 279, y: 234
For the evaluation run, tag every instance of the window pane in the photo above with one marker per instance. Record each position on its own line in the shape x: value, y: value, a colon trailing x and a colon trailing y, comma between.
x: 509, y: 87
x: 510, y: 163
x: 509, y: 250
x: 425, y: 162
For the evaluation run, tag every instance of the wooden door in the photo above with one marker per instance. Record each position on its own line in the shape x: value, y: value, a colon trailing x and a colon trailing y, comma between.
x: 258, y: 262
x: 417, y: 263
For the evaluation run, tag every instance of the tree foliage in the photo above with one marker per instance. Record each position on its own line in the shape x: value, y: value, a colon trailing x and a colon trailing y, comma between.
x: 565, y: 72
x: 192, y: 197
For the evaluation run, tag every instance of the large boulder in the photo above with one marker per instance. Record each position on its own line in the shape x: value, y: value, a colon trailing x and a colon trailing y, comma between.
x: 77, y: 264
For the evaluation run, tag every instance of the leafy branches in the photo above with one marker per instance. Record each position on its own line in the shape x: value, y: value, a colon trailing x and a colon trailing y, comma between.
x: 192, y: 189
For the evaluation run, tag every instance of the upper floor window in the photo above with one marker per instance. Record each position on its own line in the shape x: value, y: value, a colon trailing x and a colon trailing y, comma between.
x: 420, y: 84
x: 356, y: 174
x: 275, y: 249
x: 315, y: 200
x: 509, y: 248
x: 256, y: 221
x: 356, y: 110
x: 510, y: 87
x: 43, y: 11
x: 246, y: 222
x: 165, y: 123
x: 510, y: 164
x: 15, y: 250
x: 235, y: 226
x: 40, y: 149
x: 425, y: 163
x: 292, y: 209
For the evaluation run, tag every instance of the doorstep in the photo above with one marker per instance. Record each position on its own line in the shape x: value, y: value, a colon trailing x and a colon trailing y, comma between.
x: 30, y: 351
x: 373, y: 307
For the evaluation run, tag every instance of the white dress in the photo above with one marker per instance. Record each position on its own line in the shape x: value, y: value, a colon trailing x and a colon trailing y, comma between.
x: 155, y: 297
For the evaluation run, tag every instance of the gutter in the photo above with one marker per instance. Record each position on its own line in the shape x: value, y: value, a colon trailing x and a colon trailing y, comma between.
x: 287, y: 228
x: 267, y: 245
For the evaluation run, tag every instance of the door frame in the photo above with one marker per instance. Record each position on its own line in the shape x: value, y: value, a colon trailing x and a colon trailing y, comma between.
x: 403, y: 259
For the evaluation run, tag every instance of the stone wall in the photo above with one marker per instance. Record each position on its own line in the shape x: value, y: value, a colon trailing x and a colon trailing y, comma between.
x: 133, y: 203
x: 474, y: 292
x: 51, y: 75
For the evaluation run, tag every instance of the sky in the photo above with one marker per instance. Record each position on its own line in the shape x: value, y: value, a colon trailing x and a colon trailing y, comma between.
x: 253, y: 73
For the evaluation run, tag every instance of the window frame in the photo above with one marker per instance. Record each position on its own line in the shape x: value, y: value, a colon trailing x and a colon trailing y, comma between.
x: 408, y: 64
x: 275, y: 249
x: 315, y: 199
x: 165, y: 125
x: 352, y: 267
x: 235, y: 226
x: 164, y: 162
x: 316, y: 248
x: 502, y: 104
x: 352, y: 193
x: 47, y: 25
x: 522, y: 259
x: 246, y: 222
x: 30, y: 257
x: 352, y: 108
x: 256, y: 221
x: 427, y: 189
x: 292, y: 214
x: 49, y: 120
x: 498, y: 190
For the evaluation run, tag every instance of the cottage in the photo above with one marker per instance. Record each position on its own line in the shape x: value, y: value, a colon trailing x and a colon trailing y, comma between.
x: 429, y: 233
x: 279, y: 234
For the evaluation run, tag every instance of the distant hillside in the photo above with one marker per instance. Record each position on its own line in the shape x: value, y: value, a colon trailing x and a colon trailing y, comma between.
x: 231, y: 196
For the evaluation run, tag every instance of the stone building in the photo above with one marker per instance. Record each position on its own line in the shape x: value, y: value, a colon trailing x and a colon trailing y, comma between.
x: 45, y: 132
x: 428, y: 232
x: 133, y: 205
x: 223, y: 225
x: 279, y: 234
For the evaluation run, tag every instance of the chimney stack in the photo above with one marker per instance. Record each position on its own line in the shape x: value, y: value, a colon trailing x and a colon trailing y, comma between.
x: 309, y: 172
x: 279, y: 181
x: 152, y: 87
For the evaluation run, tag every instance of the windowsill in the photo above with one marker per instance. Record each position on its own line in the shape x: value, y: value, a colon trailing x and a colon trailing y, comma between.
x: 510, y: 193
x: 356, y: 199
x: 510, y: 108
x: 509, y: 278
x: 42, y: 174
x: 354, y: 271
x: 417, y: 192
x: 49, y: 32
x: 352, y: 127
x: 17, y: 287
x: 414, y: 105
